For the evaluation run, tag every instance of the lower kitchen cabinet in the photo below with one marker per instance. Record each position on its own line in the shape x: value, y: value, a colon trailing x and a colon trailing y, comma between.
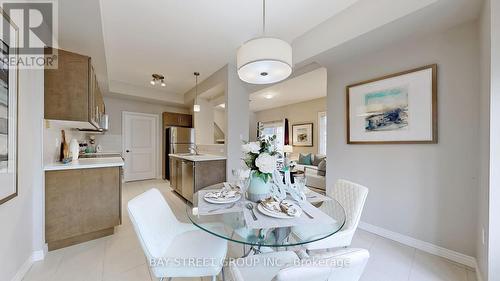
x: 81, y: 205
x: 188, y: 177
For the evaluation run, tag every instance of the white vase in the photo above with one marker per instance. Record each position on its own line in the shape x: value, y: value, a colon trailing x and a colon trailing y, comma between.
x: 74, y: 149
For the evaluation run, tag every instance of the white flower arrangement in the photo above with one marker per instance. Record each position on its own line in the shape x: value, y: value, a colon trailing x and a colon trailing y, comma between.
x: 260, y: 157
x: 266, y: 163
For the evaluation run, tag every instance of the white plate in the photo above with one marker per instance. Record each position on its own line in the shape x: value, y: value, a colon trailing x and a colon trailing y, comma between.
x: 223, y: 200
x: 279, y: 215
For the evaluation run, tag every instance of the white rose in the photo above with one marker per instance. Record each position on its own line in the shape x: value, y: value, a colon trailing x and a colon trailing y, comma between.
x: 266, y: 163
x: 243, y: 174
x: 253, y: 147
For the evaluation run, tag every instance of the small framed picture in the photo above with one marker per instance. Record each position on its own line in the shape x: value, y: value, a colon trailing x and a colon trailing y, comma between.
x: 399, y: 108
x: 302, y: 134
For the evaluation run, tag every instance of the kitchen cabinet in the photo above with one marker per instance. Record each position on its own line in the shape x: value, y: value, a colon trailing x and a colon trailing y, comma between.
x: 175, y: 173
x: 177, y: 120
x: 71, y: 91
x: 81, y: 205
x: 189, y: 176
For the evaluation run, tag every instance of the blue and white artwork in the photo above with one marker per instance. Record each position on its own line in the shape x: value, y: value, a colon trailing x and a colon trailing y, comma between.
x: 386, y: 110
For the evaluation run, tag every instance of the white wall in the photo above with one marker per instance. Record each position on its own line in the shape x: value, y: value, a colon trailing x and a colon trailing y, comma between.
x: 220, y: 119
x: 484, y: 127
x: 494, y: 192
x: 237, y: 108
x: 204, y: 122
x: 21, y: 219
x: 424, y: 191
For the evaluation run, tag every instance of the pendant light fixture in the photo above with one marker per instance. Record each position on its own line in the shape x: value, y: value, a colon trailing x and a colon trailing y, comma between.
x: 196, y: 106
x: 264, y: 60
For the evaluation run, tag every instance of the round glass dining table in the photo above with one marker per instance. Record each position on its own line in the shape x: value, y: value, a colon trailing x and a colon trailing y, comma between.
x: 231, y: 226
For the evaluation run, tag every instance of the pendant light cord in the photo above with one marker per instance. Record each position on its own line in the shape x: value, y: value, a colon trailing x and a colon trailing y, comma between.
x: 264, y: 17
x: 196, y: 74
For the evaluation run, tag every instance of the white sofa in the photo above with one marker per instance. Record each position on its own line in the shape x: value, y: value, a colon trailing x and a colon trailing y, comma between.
x: 313, y: 180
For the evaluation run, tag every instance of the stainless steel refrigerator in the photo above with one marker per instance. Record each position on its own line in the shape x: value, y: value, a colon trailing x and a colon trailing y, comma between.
x: 178, y: 140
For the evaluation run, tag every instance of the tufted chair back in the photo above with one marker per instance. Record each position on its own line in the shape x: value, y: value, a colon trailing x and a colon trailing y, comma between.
x: 352, y: 197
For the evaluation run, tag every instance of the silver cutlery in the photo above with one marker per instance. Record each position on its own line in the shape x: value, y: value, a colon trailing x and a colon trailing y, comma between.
x: 223, y: 208
x: 250, y: 207
x: 305, y: 212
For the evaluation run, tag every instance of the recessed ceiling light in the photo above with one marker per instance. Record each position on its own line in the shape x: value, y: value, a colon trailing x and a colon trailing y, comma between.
x: 268, y: 97
x: 222, y: 105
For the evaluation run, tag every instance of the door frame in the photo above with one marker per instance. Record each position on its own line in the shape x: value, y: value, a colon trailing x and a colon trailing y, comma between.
x: 157, y: 143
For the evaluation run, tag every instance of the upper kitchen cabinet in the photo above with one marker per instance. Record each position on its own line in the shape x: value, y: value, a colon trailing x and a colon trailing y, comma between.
x: 72, y: 92
x: 177, y: 120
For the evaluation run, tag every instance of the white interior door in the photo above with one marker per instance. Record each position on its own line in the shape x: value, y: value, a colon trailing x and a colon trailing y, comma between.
x: 139, y: 145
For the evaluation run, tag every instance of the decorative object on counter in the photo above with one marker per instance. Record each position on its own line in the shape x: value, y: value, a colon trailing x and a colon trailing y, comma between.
x: 8, y: 111
x: 65, y: 154
x: 74, y: 148
x: 399, y: 108
x: 302, y: 135
x: 260, y: 158
x: 98, y: 148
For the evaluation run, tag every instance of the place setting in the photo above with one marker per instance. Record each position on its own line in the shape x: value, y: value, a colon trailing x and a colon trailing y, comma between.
x: 218, y: 201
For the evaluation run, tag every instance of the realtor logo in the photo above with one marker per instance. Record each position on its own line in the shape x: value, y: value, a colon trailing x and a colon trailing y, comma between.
x: 36, y: 22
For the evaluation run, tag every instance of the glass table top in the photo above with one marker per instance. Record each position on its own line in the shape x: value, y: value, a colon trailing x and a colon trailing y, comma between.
x: 233, y: 227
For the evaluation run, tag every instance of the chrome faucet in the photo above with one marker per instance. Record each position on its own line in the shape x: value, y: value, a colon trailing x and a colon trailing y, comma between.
x: 194, y: 149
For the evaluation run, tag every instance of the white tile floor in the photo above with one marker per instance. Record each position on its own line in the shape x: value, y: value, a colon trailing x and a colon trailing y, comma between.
x: 120, y: 258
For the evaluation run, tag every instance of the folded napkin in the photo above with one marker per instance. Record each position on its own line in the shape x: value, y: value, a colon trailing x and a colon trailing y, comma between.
x: 222, y: 194
x: 280, y: 207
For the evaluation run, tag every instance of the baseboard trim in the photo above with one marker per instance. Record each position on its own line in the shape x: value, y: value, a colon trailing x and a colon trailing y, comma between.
x: 479, y: 276
x: 421, y: 245
x: 23, y: 269
x: 40, y: 254
x: 35, y: 256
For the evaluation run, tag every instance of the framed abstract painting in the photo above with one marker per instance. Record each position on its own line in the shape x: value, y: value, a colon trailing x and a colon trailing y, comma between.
x: 302, y: 134
x: 395, y: 109
x: 8, y: 109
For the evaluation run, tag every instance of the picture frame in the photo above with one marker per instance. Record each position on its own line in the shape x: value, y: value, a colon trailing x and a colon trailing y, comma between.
x: 9, y: 96
x: 399, y: 108
x: 302, y: 135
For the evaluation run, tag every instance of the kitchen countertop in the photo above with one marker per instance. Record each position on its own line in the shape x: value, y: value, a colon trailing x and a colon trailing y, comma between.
x: 86, y: 163
x: 198, y: 158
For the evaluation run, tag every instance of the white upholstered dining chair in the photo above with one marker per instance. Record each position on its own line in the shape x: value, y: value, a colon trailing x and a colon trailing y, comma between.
x: 351, y: 197
x: 342, y: 265
x: 170, y: 246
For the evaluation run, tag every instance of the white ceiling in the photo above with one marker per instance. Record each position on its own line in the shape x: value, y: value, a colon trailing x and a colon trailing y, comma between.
x: 308, y: 86
x: 176, y: 38
x: 128, y: 40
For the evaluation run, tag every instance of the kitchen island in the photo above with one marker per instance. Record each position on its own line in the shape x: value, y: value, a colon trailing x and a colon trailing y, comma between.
x: 82, y: 200
x: 191, y: 172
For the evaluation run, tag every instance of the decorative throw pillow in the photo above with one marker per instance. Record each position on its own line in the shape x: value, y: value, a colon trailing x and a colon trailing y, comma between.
x: 322, y: 168
x: 305, y: 159
x: 317, y: 159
